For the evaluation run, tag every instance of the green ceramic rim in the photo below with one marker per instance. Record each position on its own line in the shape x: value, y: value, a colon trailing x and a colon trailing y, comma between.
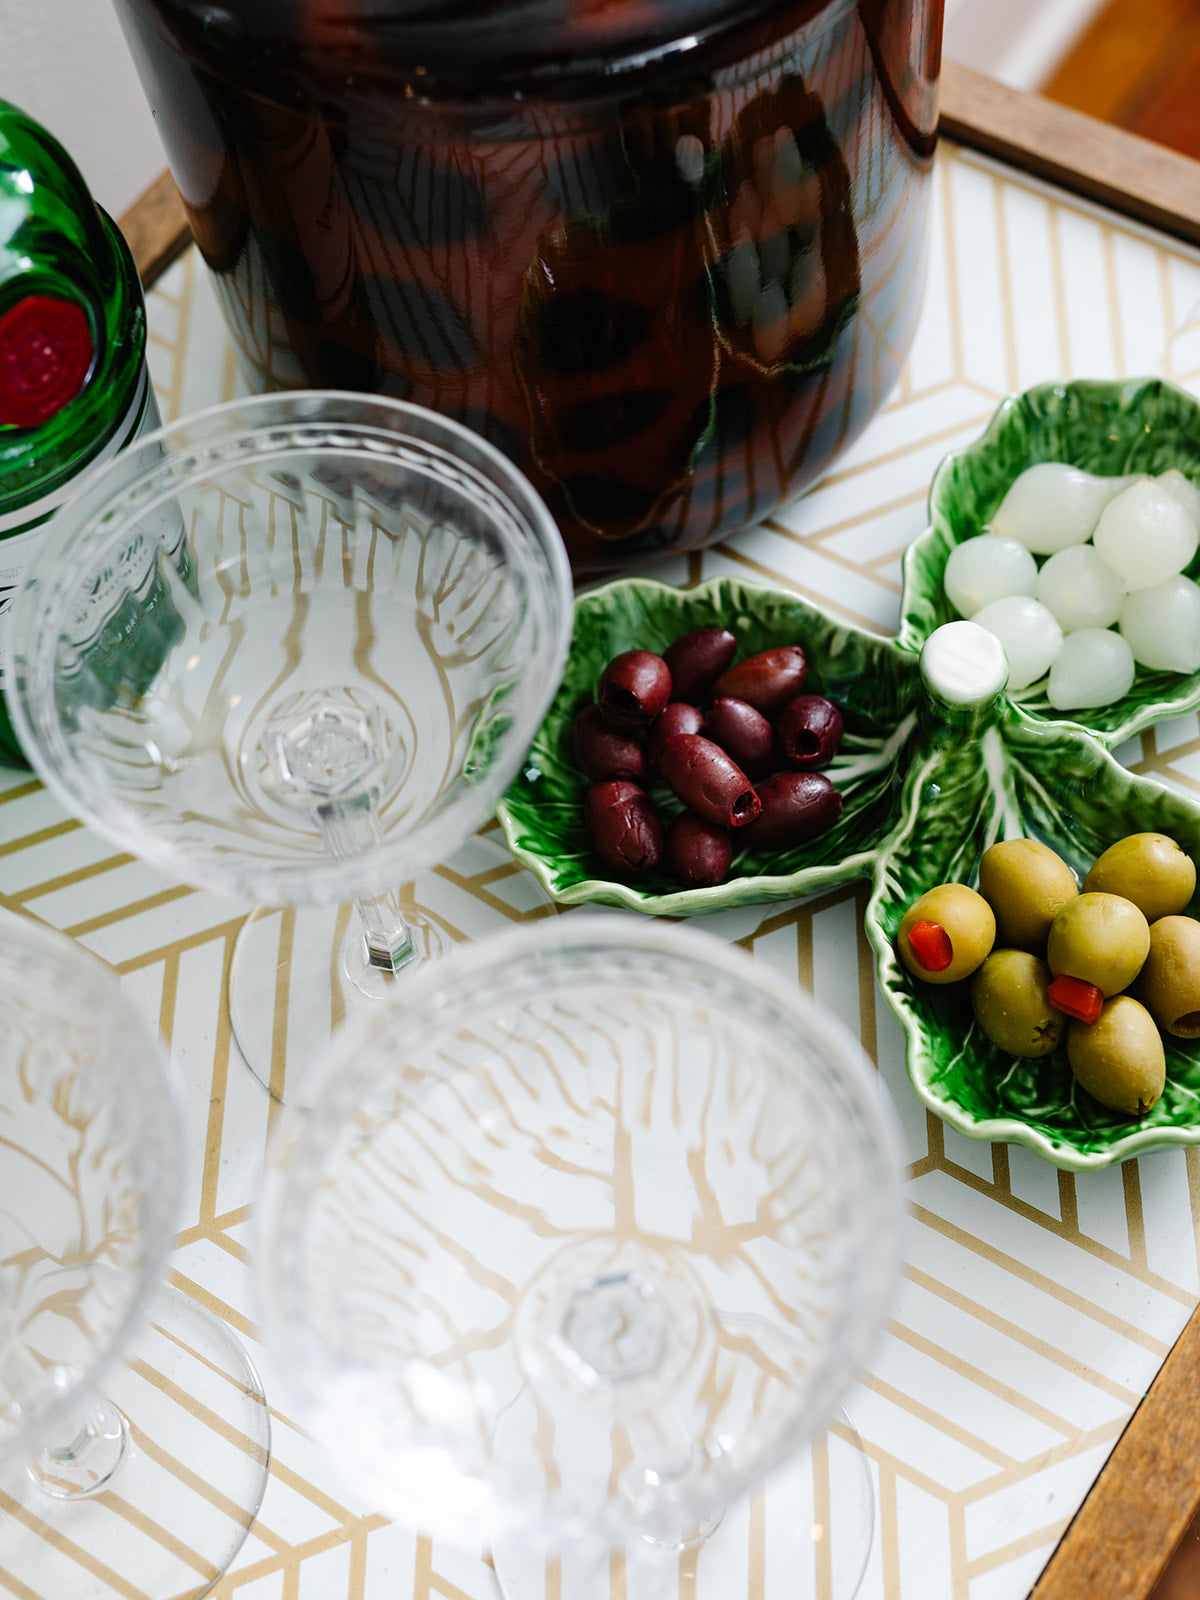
x: 873, y: 679
x: 1062, y: 787
x: 1037, y: 773
x: 1139, y: 425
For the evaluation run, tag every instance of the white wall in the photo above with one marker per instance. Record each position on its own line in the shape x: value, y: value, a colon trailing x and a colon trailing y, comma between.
x: 65, y: 62
x: 1020, y: 42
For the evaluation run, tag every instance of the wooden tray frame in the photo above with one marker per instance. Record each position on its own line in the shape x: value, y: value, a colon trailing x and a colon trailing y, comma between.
x: 1148, y: 1493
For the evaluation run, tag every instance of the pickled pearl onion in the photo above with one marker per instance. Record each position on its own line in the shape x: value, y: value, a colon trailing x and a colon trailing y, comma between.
x: 1146, y: 535
x: 985, y: 568
x: 1162, y: 625
x: 1052, y: 505
x: 1029, y: 634
x: 1094, y: 668
x: 1080, y: 588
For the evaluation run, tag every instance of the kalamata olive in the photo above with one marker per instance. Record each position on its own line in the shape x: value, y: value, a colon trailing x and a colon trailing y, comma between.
x: 1101, y: 938
x: 1119, y: 1059
x: 1011, y: 1006
x: 697, y: 660
x: 1026, y: 884
x: 677, y: 717
x: 624, y: 827
x: 708, y: 781
x: 602, y: 751
x: 1148, y: 868
x: 809, y: 730
x: 743, y: 733
x: 633, y: 689
x: 945, y: 934
x: 766, y: 681
x: 795, y: 806
x: 1169, y: 983
x: 698, y: 852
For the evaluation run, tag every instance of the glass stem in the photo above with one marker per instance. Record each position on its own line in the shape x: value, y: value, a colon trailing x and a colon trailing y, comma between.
x: 349, y: 828
x: 88, y: 1461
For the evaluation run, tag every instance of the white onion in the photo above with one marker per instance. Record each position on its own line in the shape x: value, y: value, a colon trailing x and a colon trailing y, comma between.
x: 986, y: 568
x: 1029, y: 634
x: 1146, y: 535
x: 1080, y: 589
x: 1183, y: 490
x: 1094, y: 668
x: 1162, y: 625
x: 1053, y: 505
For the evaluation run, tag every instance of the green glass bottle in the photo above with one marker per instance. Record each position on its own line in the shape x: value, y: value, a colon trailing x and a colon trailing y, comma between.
x: 74, y: 387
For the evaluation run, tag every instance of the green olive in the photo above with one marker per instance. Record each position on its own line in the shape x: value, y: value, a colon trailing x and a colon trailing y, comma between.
x: 967, y: 921
x: 1008, y: 996
x: 1101, y: 938
x: 1149, y: 869
x: 1169, y: 982
x: 1026, y: 885
x: 1119, y: 1058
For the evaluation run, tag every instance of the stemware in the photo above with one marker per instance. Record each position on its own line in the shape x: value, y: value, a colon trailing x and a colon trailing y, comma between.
x: 587, y: 1229
x: 134, y: 1437
x: 293, y: 648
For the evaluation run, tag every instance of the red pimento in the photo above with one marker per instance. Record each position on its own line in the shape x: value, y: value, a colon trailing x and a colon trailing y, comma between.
x: 930, y: 944
x: 1075, y: 997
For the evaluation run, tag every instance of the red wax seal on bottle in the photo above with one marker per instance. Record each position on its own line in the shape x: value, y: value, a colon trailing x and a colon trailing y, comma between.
x: 46, y: 353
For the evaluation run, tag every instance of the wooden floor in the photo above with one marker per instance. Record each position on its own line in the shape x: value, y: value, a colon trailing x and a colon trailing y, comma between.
x: 1138, y: 65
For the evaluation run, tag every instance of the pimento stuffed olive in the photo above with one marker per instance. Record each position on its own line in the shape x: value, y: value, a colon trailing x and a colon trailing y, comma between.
x: 946, y: 934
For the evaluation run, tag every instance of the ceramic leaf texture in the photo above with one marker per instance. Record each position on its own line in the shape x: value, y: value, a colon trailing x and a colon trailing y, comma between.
x: 1111, y: 429
x: 872, y: 679
x: 1016, y: 779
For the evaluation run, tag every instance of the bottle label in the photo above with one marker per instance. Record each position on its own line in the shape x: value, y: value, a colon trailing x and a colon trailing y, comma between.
x: 22, y: 531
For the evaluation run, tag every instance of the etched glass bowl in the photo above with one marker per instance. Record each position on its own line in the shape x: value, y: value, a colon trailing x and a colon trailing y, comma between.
x: 588, y: 1229
x: 292, y: 647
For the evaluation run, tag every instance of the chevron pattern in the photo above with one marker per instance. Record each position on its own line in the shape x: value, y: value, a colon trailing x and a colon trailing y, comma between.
x: 1036, y: 1305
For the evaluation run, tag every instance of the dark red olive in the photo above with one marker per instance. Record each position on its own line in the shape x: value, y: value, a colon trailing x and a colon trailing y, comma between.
x: 633, y: 689
x: 677, y: 717
x: 602, y: 751
x: 795, y: 806
x: 698, y: 660
x: 708, y: 781
x: 698, y: 852
x: 624, y: 827
x: 809, y: 730
x: 743, y: 733
x: 766, y: 681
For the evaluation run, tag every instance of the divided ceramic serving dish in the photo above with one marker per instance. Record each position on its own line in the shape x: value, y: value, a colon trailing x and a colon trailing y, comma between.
x: 871, y: 678
x: 926, y: 786
x: 1140, y: 426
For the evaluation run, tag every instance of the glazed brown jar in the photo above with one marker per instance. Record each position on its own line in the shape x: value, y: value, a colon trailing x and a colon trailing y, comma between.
x: 667, y: 254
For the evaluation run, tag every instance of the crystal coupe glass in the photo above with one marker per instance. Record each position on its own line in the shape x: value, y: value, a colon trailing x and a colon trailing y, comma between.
x: 588, y: 1229
x: 293, y: 648
x: 134, y: 1437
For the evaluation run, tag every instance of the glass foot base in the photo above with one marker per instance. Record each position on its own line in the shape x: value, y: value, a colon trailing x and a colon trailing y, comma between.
x: 805, y: 1533
x: 298, y: 973
x: 177, y: 1508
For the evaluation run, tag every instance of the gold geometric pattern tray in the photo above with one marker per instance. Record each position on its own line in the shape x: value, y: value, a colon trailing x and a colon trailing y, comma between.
x: 1037, y: 1305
